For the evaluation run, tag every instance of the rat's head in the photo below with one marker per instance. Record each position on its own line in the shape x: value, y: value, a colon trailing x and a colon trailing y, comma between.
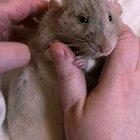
x: 89, y: 27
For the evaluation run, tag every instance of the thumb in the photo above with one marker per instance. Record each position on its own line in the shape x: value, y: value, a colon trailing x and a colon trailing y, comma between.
x: 71, y: 80
x: 13, y: 55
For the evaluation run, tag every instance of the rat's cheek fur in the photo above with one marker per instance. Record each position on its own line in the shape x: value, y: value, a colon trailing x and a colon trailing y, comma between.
x: 110, y: 44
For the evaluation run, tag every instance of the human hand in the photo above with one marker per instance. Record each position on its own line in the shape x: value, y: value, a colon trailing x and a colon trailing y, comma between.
x: 111, y: 111
x: 14, y: 55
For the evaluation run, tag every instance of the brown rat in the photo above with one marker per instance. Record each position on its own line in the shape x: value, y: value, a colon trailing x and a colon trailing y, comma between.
x: 89, y: 28
x: 89, y: 25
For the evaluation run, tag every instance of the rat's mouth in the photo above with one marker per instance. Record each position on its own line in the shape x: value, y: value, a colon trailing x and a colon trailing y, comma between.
x: 75, y: 49
x: 92, y: 50
x: 78, y: 48
x: 83, y: 50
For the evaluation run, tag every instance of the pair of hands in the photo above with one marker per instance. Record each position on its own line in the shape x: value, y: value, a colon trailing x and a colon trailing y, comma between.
x: 111, y: 111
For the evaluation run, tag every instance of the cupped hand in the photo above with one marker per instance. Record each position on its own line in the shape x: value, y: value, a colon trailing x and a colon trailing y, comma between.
x: 15, y: 55
x: 112, y: 109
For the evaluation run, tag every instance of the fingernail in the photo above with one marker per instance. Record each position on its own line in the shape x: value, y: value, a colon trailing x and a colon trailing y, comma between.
x: 57, y: 51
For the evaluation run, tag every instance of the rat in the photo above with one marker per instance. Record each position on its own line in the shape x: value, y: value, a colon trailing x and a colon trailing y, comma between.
x: 90, y: 29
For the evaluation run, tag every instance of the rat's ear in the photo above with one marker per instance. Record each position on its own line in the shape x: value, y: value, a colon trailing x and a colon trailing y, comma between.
x: 55, y: 4
x: 114, y: 6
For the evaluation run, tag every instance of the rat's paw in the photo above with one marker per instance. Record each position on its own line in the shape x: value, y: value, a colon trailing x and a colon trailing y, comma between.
x: 80, y: 62
x: 85, y: 64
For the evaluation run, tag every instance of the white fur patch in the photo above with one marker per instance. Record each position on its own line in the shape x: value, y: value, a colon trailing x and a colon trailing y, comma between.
x: 90, y: 65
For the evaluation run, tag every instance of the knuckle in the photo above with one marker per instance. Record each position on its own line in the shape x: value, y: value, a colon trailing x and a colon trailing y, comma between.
x: 66, y: 76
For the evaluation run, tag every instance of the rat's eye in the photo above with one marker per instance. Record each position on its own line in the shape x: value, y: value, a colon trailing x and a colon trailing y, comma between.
x: 110, y: 17
x: 83, y: 19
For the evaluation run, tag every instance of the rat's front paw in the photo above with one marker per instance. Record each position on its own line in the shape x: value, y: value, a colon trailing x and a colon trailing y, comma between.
x: 85, y: 64
x: 80, y: 62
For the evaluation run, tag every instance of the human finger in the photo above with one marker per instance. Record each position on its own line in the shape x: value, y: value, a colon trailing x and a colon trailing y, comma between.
x: 71, y: 79
x: 13, y: 55
x: 138, y: 63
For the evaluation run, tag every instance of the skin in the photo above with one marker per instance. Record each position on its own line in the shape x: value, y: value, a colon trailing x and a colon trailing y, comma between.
x: 111, y: 111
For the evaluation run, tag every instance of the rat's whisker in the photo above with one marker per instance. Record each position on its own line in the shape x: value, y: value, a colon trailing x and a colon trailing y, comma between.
x: 81, y: 36
x: 74, y: 45
x: 73, y: 31
x: 91, y: 37
x: 83, y: 50
x: 69, y: 36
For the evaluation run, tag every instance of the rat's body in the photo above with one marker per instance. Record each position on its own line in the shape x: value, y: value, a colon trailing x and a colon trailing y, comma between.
x: 34, y: 109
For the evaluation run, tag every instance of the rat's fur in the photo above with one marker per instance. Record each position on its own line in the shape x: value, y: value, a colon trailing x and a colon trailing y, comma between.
x: 98, y: 37
x: 34, y: 110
